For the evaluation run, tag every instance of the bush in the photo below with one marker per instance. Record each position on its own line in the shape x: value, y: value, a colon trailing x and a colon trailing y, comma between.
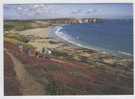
x: 8, y: 27
x: 52, y: 88
x: 53, y: 67
x: 59, y: 53
x: 17, y: 37
x: 17, y: 25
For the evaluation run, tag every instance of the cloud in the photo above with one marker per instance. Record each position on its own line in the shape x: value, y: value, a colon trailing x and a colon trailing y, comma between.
x: 59, y: 11
x: 19, y: 8
x: 77, y: 11
x: 39, y: 5
x: 91, y: 11
x: 35, y: 6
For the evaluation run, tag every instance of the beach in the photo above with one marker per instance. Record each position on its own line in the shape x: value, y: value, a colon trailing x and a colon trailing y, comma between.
x: 44, y: 37
x: 67, y: 63
x: 40, y: 38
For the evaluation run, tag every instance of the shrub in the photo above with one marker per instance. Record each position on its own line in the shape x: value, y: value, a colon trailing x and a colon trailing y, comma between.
x: 8, y: 27
x: 52, y: 88
x: 53, y: 67
x: 16, y: 36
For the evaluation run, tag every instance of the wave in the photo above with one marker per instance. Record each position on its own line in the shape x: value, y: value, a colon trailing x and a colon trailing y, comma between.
x: 125, y: 53
x: 66, y: 37
x: 76, y: 41
x: 61, y: 34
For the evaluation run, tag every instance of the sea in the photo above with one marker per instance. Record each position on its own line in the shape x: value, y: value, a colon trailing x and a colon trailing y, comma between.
x: 111, y: 36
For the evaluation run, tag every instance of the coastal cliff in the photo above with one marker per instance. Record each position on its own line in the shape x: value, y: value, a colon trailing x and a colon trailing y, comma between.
x: 75, y: 20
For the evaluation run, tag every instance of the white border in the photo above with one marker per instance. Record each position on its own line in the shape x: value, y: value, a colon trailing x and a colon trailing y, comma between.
x: 1, y: 50
x: 56, y: 97
x: 67, y: 1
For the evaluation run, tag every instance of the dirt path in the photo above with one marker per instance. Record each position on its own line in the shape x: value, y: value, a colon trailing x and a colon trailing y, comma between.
x: 28, y: 85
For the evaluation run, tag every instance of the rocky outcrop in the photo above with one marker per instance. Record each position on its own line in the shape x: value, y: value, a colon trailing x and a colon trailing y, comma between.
x: 75, y: 21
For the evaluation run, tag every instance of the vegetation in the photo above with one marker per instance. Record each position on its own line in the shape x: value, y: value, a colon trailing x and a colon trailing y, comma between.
x: 52, y: 88
x: 17, y: 25
x: 65, y: 78
x: 10, y: 80
x: 59, y: 53
x: 53, y: 67
x: 8, y: 27
x: 16, y: 38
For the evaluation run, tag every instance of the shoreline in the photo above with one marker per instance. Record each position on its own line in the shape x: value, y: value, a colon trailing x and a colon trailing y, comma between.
x: 46, y: 37
x: 53, y: 34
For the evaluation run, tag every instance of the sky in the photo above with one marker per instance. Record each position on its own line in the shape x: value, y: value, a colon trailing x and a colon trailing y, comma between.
x: 52, y: 11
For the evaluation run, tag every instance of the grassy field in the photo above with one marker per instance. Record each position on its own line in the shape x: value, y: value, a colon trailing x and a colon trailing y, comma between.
x: 18, y: 25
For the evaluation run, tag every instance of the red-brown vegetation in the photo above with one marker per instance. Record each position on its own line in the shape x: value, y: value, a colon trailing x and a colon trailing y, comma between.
x: 11, y: 84
x: 68, y: 78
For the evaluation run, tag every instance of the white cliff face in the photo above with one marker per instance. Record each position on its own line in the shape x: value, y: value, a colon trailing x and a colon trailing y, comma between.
x: 75, y: 21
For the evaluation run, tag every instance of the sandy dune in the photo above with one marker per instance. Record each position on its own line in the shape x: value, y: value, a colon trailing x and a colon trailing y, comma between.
x: 40, y: 36
x: 37, y: 32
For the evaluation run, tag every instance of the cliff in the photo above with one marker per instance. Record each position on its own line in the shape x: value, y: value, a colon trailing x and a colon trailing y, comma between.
x: 75, y: 21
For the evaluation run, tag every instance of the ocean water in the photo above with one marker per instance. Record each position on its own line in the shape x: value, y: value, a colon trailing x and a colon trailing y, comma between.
x: 114, y: 36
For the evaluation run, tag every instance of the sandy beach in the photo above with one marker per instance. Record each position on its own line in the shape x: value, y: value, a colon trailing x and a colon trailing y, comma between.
x: 40, y: 38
